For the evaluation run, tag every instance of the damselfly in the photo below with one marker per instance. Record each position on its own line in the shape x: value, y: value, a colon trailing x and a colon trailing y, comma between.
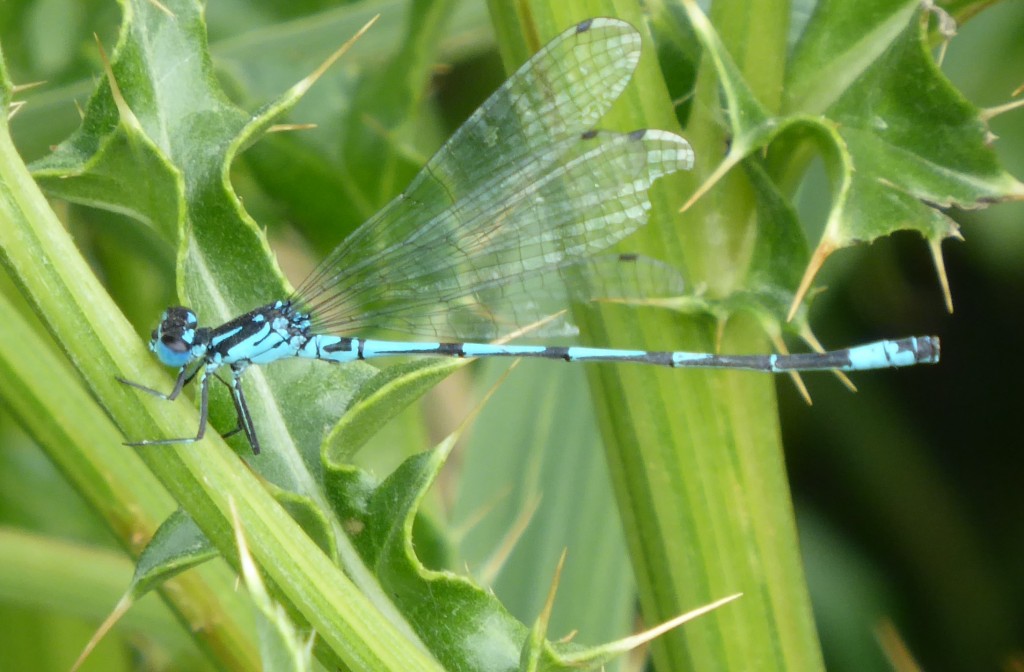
x: 497, y: 232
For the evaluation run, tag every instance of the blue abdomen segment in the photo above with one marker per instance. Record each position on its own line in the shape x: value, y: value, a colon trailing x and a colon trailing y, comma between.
x: 905, y: 352
x: 330, y: 348
x: 877, y: 355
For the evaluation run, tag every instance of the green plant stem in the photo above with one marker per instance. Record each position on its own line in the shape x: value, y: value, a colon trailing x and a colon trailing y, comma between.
x: 42, y: 391
x: 695, y: 457
x: 203, y: 477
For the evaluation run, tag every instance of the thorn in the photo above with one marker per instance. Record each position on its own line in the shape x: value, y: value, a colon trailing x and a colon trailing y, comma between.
x: 14, y: 108
x: 680, y: 101
x: 568, y: 637
x: 249, y: 572
x: 845, y: 380
x: 798, y: 381
x: 115, y: 91
x: 724, y: 167
x: 18, y: 88
x: 720, y: 322
x: 303, y: 86
x: 474, y: 518
x: 489, y: 571
x: 628, y: 643
x: 526, y: 329
x: 990, y: 113
x: 812, y: 340
x: 387, y: 135
x: 946, y: 27
x: 821, y: 253
x: 282, y: 128
x: 159, y: 5
x: 891, y: 641
x: 940, y: 268
x: 801, y: 387
x: 120, y: 609
x: 549, y: 603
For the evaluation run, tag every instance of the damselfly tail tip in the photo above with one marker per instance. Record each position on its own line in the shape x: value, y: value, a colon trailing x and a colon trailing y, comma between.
x: 915, y: 350
x: 928, y: 349
x: 898, y: 353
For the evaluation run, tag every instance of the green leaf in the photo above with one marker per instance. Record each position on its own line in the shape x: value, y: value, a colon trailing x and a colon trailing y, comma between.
x: 910, y: 131
x: 178, y: 545
x: 477, y: 632
x: 916, y: 145
x: 378, y: 401
x: 904, y: 143
x: 111, y: 163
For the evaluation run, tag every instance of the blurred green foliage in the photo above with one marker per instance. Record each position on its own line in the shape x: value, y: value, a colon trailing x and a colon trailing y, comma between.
x: 908, y: 500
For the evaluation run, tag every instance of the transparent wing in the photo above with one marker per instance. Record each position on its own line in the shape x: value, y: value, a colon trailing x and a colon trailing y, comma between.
x: 521, y: 190
x: 535, y: 304
x: 497, y: 240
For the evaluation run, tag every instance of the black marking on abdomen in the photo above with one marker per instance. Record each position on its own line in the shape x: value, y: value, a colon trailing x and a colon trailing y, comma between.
x: 451, y: 350
x: 343, y: 344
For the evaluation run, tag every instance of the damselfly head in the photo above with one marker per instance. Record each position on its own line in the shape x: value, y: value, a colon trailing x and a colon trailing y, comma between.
x: 173, y: 339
